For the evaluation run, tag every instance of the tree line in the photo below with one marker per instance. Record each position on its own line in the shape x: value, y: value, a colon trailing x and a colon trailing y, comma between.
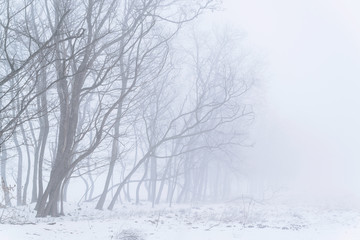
x: 118, y: 91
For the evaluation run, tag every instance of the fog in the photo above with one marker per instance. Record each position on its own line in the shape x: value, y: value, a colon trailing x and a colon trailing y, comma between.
x: 307, y: 120
x: 179, y: 119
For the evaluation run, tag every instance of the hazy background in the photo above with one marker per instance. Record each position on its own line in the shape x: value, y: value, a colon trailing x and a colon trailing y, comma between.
x: 308, y: 121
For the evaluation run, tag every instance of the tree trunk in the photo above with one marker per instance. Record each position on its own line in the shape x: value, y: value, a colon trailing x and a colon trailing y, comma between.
x: 85, y: 196
x: 34, y: 195
x: 3, y: 174
x: 91, y: 181
x: 115, y: 142
x: 52, y: 192
x: 26, y: 185
x: 19, y: 171
x: 117, y: 193
x: 184, y: 191
x: 141, y: 181
x: 163, y: 179
x: 42, y: 147
x: 114, y: 156
x: 153, y: 179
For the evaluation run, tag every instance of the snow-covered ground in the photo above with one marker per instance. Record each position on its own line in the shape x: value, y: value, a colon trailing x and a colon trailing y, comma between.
x: 235, y: 220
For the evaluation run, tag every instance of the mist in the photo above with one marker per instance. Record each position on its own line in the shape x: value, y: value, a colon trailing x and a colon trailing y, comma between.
x: 179, y: 119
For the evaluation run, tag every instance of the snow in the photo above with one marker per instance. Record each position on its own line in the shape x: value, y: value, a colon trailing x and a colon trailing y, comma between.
x: 236, y: 220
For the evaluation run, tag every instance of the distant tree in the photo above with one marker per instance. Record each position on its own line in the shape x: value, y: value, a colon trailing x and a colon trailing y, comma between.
x: 215, y: 100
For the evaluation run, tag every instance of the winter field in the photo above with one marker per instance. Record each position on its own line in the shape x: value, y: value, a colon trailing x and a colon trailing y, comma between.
x: 240, y: 219
x: 179, y: 120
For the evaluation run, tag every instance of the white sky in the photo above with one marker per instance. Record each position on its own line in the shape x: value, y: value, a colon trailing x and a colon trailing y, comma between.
x: 311, y: 110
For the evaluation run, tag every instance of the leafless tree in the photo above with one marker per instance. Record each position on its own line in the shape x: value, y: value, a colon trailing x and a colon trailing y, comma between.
x: 89, y: 64
x: 214, y: 100
x: 79, y: 76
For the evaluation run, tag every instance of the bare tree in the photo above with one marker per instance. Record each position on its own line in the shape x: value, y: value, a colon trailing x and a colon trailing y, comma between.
x: 79, y: 76
x: 88, y: 65
x: 213, y: 101
x: 20, y: 61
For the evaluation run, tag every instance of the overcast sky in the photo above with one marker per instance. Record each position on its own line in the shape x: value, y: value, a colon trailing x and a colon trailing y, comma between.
x: 311, y: 106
